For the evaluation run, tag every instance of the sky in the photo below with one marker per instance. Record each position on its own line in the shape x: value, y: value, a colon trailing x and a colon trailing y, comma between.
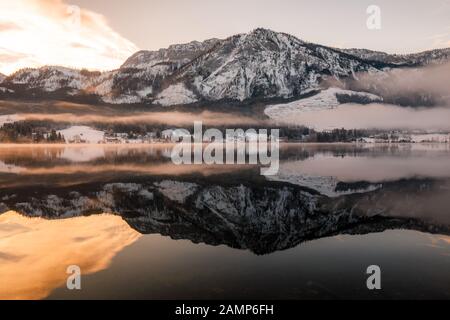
x: 101, y: 34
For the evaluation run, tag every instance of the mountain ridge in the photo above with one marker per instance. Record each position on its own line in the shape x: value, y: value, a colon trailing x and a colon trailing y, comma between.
x: 259, y: 64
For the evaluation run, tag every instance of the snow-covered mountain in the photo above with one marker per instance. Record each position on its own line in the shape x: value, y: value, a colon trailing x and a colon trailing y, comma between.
x: 415, y: 59
x: 174, y: 56
x: 267, y: 64
x: 260, y: 64
x: 50, y: 79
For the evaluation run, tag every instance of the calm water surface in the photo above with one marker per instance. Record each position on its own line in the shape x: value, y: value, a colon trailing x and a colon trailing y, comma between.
x: 142, y: 228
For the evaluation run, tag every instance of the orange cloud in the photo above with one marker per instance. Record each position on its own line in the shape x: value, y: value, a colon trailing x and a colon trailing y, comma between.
x: 51, y: 32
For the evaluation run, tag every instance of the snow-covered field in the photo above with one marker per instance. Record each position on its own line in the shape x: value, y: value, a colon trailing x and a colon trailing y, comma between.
x: 9, y: 118
x: 325, y: 100
x: 89, y: 135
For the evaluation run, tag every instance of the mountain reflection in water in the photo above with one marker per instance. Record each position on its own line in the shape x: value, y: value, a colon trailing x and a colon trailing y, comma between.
x: 59, y: 194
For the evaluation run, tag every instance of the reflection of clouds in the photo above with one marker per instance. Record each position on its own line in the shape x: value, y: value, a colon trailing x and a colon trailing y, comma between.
x: 439, y: 242
x: 372, y: 169
x: 34, y: 255
x: 10, y: 257
x: 155, y: 169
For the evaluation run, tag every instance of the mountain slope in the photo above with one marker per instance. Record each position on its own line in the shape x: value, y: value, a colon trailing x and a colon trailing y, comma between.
x: 415, y: 59
x: 260, y: 64
x: 267, y: 64
x: 175, y: 55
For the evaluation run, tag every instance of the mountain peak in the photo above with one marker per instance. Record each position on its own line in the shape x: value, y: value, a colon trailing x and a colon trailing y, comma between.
x: 260, y: 30
x: 178, y: 54
x: 271, y: 35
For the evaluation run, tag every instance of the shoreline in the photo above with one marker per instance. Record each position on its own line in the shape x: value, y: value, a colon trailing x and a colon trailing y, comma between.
x: 4, y: 145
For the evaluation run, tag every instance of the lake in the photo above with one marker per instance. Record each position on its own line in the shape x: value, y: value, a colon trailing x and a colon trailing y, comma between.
x: 141, y: 227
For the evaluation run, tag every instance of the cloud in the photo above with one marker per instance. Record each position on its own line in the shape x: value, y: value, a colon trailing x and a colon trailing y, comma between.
x: 51, y: 32
x: 441, y: 40
x: 7, y: 26
x: 377, y: 116
x: 414, y: 99
x: 170, y: 118
x: 7, y: 56
x: 415, y: 87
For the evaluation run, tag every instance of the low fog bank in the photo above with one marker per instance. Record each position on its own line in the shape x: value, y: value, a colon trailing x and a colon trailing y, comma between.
x: 426, y: 86
x: 414, y: 99
x: 167, y: 118
x: 348, y: 116
x: 377, y: 116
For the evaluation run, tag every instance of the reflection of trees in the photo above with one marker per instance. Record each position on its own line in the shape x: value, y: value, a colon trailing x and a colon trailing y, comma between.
x: 32, y: 156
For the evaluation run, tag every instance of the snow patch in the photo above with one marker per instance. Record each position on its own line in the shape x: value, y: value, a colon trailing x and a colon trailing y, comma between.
x: 174, y: 95
x: 82, y: 133
x: 122, y: 99
x: 325, y: 100
x: 6, y: 90
x: 326, y: 185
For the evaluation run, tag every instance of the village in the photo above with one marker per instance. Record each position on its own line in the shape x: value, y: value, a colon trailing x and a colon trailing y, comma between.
x: 402, y: 137
x: 13, y: 129
x: 81, y: 134
x: 84, y: 134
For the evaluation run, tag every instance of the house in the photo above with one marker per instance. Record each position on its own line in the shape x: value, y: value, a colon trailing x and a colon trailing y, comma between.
x: 112, y: 140
x: 167, y: 134
x: 149, y: 137
x: 176, y: 135
x: 77, y: 139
